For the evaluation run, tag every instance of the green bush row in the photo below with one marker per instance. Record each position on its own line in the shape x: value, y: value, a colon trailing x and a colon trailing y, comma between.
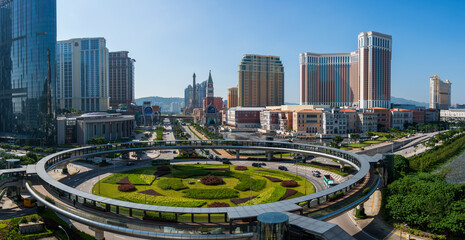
x: 217, y: 193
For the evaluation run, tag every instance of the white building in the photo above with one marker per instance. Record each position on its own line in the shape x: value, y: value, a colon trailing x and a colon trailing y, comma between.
x: 453, y: 114
x: 400, y: 117
x: 334, y: 123
x: 82, y: 74
x: 367, y: 122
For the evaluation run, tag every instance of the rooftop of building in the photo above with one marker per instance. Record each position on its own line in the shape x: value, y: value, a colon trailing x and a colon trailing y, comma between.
x: 309, y: 111
x: 246, y: 109
x: 328, y: 54
x: 400, y: 110
x: 347, y: 110
x: 375, y: 33
x: 379, y: 108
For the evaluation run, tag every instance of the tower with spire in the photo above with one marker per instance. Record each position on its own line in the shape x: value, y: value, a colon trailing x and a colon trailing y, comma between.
x: 210, y: 92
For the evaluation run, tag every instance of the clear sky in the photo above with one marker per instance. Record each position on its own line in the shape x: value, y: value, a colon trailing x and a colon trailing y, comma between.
x: 171, y: 39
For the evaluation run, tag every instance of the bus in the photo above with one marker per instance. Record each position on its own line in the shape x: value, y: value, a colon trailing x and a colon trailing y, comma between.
x: 158, y: 162
x: 29, y: 202
x: 206, y: 151
x: 329, y: 181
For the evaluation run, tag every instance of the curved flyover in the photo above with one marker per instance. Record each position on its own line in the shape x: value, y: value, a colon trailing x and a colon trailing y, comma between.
x: 359, y: 162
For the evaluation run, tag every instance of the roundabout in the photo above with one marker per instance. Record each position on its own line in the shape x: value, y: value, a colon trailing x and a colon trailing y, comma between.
x: 202, y: 185
x: 117, y: 207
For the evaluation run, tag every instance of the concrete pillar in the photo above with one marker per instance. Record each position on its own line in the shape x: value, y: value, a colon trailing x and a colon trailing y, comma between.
x: 130, y: 212
x: 139, y: 154
x: 238, y: 155
x: 230, y: 226
x: 192, y: 217
x: 209, y: 218
x: 269, y: 156
x: 341, y: 165
x: 99, y: 234
x: 117, y: 209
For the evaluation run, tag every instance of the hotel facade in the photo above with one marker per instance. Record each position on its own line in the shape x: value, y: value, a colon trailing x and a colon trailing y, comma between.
x: 359, y: 79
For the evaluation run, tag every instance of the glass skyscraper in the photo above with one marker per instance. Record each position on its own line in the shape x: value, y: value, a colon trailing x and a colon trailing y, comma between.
x: 27, y: 68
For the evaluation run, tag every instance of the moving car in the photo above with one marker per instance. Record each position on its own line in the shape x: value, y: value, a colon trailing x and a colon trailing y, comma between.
x: 226, y: 162
x: 283, y: 168
x: 316, y: 173
x: 256, y: 164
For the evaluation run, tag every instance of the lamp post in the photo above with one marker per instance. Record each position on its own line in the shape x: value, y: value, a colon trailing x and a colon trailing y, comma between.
x: 59, y: 226
x: 98, y: 172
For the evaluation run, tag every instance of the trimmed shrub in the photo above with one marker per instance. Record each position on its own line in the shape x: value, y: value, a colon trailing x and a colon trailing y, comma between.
x: 171, y: 183
x: 211, y: 180
x: 289, y: 183
x: 240, y: 168
x: 218, y: 193
x: 127, y: 188
x: 23, y: 220
x: 163, y: 169
x: 218, y: 204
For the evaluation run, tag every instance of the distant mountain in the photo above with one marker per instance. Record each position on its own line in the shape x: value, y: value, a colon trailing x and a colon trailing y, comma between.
x: 406, y: 101
x: 287, y: 103
x: 164, y: 103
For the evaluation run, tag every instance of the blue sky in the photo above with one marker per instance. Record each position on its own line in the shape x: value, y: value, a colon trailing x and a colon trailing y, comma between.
x: 171, y: 39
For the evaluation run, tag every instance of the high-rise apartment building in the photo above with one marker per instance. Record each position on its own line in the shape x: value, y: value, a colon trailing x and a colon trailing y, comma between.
x: 329, y: 79
x: 27, y: 66
x: 121, y: 79
x: 440, y: 93
x: 82, y: 74
x: 359, y: 79
x: 261, y: 81
x: 232, y: 97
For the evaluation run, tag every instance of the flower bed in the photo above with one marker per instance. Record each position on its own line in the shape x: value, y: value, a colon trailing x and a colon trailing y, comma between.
x: 218, y: 204
x: 240, y: 168
x: 211, y: 180
x: 127, y: 187
x: 152, y: 192
x: 273, y: 179
x: 289, y: 192
x: 124, y: 181
x: 238, y: 201
x: 218, y: 193
x: 289, y: 183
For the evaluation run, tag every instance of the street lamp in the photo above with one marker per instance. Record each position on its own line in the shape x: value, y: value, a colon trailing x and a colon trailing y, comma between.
x: 59, y: 226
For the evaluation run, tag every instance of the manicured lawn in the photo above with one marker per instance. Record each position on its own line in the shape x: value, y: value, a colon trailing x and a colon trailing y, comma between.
x: 372, y: 142
x: 356, y: 145
x: 182, y: 187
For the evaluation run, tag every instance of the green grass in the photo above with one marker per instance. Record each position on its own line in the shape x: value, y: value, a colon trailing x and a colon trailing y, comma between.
x: 372, y: 142
x: 2, y: 225
x: 356, y: 145
x: 270, y: 195
x: 135, y: 176
x: 231, y: 179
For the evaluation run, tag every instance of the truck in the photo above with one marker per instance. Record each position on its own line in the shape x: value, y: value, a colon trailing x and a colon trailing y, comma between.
x: 329, y: 181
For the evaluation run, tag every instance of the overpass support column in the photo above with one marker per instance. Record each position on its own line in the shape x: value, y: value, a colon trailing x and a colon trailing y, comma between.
x: 99, y: 234
x: 139, y: 155
x: 269, y: 156
x: 341, y: 165
x: 238, y: 154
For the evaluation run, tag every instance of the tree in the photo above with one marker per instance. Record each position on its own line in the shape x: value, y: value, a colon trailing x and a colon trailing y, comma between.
x: 355, y: 136
x: 401, y: 164
x: 336, y: 140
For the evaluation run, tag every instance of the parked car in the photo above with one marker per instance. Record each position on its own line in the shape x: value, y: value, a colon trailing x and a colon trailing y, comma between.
x: 283, y: 168
x: 226, y: 162
x: 316, y: 173
x: 256, y: 164
x: 217, y: 158
x: 211, y: 156
x: 262, y: 164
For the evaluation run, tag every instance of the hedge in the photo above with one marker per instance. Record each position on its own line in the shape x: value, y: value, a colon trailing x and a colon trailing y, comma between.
x: 218, y: 193
x: 171, y: 183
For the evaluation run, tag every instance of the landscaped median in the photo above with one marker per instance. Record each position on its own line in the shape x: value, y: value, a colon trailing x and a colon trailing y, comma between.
x: 196, y: 185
